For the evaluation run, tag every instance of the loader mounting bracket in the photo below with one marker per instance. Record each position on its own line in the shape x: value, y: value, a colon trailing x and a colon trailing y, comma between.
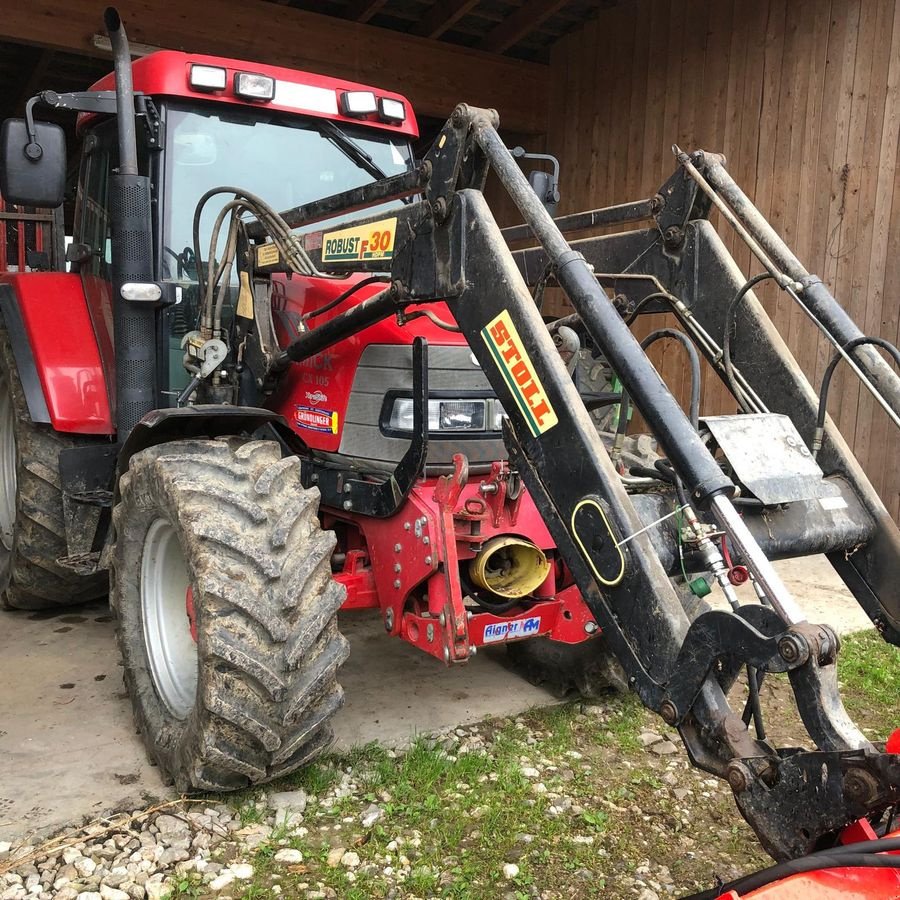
x: 816, y: 792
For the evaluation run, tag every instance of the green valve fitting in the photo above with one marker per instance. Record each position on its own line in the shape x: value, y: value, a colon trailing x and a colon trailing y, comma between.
x: 699, y: 587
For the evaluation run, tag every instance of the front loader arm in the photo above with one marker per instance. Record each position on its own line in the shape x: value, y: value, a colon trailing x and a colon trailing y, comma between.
x: 448, y: 247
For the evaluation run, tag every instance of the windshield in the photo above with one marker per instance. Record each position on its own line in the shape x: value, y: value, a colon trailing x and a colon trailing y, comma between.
x: 285, y: 160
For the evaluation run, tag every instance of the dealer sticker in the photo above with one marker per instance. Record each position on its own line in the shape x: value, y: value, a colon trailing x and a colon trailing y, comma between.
x: 506, y: 631
x: 316, y: 419
x: 512, y: 359
x: 372, y: 241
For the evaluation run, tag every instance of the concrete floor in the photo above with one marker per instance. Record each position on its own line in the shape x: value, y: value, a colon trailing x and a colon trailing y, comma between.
x: 68, y: 750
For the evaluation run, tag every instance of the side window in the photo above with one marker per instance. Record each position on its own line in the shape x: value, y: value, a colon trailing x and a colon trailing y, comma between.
x: 92, y: 213
x: 92, y: 226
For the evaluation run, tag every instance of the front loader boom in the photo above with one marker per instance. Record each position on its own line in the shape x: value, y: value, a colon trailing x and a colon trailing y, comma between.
x: 616, y: 543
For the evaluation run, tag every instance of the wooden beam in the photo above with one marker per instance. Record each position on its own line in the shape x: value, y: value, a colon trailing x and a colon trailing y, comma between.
x: 434, y: 75
x: 524, y: 20
x: 35, y: 79
x: 441, y: 17
x: 363, y: 10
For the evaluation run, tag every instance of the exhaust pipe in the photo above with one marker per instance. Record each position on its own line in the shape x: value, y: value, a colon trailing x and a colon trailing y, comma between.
x: 510, y: 567
x: 134, y: 323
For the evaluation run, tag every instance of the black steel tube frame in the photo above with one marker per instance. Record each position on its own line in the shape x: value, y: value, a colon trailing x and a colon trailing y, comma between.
x: 703, y: 275
x: 395, y: 188
x: 354, y: 320
x: 449, y: 248
x: 815, y: 295
x: 623, y: 214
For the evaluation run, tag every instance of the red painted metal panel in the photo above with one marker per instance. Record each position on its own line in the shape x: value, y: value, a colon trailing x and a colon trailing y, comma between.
x: 65, y: 352
x: 832, y: 884
x: 324, y: 381
x: 167, y: 72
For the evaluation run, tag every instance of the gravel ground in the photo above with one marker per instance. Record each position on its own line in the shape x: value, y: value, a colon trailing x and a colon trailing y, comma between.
x: 574, y: 801
x: 352, y: 839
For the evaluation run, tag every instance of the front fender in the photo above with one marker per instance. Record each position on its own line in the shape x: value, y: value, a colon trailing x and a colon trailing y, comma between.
x: 56, y: 351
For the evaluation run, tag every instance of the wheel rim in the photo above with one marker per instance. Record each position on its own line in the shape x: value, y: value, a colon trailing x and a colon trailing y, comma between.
x: 7, y: 465
x: 171, y: 650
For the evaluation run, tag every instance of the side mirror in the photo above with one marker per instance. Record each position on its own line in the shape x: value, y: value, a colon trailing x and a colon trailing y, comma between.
x: 544, y: 184
x: 32, y: 163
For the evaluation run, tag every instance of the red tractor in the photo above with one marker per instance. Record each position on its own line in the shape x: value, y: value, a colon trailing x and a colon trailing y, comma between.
x: 251, y: 419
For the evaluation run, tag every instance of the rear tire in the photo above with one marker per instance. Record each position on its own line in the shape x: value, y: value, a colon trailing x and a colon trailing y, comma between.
x: 32, y: 527
x: 252, y: 699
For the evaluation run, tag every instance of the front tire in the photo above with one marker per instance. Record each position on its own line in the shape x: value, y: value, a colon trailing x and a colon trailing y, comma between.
x: 227, y: 612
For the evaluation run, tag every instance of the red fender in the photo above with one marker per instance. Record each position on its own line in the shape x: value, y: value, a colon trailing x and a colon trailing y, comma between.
x: 64, y: 346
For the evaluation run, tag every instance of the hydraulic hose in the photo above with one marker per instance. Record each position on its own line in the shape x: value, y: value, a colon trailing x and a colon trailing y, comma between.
x: 694, y: 358
x: 819, y: 435
x: 337, y: 301
x: 726, y: 340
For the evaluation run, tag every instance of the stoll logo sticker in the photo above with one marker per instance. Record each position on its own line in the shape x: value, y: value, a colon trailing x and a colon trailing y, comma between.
x: 316, y: 419
x: 504, y: 631
x: 512, y: 359
x: 315, y: 397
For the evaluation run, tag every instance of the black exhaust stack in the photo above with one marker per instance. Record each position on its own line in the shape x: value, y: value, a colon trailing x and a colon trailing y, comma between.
x: 134, y: 323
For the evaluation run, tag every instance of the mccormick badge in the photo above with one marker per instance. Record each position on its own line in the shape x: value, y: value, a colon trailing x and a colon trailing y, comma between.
x: 515, y: 365
x: 316, y: 419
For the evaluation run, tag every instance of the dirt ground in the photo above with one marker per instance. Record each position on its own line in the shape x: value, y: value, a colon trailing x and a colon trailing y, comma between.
x: 68, y: 746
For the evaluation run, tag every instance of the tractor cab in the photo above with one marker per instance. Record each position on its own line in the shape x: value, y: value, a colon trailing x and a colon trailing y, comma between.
x: 209, y: 123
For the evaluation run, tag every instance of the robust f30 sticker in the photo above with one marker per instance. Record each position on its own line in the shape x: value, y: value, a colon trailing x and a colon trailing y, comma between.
x: 512, y: 359
x: 372, y: 241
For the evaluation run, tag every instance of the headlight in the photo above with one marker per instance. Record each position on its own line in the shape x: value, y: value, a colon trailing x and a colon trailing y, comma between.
x: 252, y: 86
x: 482, y: 414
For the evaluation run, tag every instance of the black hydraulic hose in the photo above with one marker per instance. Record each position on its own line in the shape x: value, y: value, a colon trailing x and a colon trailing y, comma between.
x: 331, y: 304
x: 343, y: 325
x: 665, y: 468
x: 656, y: 295
x: 829, y: 859
x: 829, y: 372
x: 574, y: 319
x: 729, y: 324
x: 875, y: 846
x: 693, y: 356
x: 646, y: 472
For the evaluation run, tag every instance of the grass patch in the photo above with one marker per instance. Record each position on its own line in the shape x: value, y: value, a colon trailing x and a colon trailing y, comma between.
x: 561, y: 802
x: 869, y: 670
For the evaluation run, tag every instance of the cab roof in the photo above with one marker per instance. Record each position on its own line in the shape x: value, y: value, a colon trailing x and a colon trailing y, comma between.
x: 167, y: 73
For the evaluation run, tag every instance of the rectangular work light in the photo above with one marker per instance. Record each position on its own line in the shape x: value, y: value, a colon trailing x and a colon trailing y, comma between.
x: 391, y: 110
x: 252, y: 86
x: 207, y: 78
x: 358, y: 103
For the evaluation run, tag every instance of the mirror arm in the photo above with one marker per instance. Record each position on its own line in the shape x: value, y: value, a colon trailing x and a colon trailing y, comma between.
x: 99, y: 103
x: 33, y: 150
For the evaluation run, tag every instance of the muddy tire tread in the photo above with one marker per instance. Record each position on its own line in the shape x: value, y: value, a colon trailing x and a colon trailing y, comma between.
x: 247, y: 525
x: 35, y: 579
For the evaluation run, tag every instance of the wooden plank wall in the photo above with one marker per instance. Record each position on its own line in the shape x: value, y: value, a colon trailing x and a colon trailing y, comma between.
x: 803, y: 97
